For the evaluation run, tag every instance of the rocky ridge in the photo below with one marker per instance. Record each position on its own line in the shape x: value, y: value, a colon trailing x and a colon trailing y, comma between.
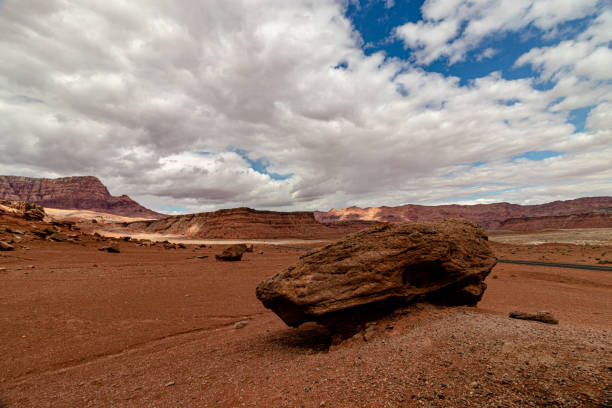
x: 594, y: 219
x: 489, y: 216
x: 86, y: 193
x: 23, y: 224
x: 247, y: 223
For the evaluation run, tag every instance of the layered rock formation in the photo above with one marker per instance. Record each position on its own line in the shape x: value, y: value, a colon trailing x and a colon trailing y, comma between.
x: 443, y: 262
x: 489, y: 216
x: 84, y: 193
x: 247, y: 223
x: 594, y: 219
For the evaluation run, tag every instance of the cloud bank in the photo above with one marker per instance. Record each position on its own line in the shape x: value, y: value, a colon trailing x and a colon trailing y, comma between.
x: 174, y: 103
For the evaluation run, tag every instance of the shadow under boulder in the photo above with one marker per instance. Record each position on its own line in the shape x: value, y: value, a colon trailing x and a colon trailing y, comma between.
x: 369, y: 274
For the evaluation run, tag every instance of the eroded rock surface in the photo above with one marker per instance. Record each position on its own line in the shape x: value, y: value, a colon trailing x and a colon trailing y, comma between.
x: 443, y: 262
x: 490, y: 216
x: 22, y: 209
x: 601, y: 218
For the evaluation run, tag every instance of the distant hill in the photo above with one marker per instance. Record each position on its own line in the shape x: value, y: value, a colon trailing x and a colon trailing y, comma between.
x: 490, y: 216
x: 247, y: 223
x: 82, y: 193
x: 593, y: 219
x: 88, y: 193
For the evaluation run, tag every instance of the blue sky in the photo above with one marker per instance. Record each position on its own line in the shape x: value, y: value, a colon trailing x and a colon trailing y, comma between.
x: 377, y: 20
x: 302, y: 105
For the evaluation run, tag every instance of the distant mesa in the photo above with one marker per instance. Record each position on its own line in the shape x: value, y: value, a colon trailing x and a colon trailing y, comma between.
x: 593, y: 219
x: 247, y: 223
x: 589, y: 212
x: 75, y: 193
x: 87, y: 193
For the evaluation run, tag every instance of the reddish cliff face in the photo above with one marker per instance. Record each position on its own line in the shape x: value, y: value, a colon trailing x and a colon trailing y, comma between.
x: 490, y: 216
x: 83, y: 193
x: 247, y: 223
x: 595, y: 219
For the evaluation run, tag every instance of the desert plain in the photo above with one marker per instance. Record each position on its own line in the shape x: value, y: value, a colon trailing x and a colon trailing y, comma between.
x: 157, y: 327
x: 310, y: 204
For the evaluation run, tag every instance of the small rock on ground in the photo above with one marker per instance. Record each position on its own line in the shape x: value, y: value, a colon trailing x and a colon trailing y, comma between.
x: 5, y: 246
x: 544, y: 317
x: 111, y: 248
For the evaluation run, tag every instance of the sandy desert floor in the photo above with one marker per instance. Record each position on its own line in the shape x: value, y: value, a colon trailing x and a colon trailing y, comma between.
x: 151, y: 327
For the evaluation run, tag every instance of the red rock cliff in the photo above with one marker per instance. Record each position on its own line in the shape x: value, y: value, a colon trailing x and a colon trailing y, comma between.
x: 490, y: 216
x: 82, y: 193
x: 594, y: 219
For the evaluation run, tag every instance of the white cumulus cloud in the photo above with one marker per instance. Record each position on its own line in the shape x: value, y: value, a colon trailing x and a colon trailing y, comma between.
x: 451, y: 28
x: 174, y: 102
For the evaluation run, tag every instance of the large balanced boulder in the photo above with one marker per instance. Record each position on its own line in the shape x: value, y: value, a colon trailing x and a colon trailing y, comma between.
x: 442, y: 262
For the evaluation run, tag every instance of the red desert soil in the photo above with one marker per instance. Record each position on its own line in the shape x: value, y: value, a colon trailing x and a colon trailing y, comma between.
x: 151, y: 327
